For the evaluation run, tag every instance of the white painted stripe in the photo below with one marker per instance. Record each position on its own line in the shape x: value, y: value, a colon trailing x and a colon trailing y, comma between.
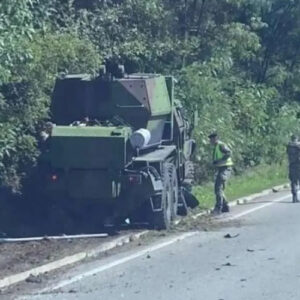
x: 118, y: 262
x: 16, y: 278
x: 47, y: 238
x: 13, y: 279
x: 145, y: 251
x: 249, y: 211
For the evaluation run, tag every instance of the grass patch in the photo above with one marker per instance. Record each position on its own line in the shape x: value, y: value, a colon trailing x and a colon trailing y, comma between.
x: 252, y: 181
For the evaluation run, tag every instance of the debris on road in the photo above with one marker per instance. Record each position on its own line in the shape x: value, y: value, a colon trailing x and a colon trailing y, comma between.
x: 20, y: 257
x: 228, y: 264
x: 34, y: 279
x: 229, y: 236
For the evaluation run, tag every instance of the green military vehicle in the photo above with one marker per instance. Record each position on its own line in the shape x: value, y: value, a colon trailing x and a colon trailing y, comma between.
x: 119, y: 148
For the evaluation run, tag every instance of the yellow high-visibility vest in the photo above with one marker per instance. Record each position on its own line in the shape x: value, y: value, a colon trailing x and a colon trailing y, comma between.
x: 218, y: 155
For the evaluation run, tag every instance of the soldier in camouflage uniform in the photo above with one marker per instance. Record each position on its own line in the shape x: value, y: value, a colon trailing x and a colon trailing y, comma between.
x: 223, y: 163
x: 293, y: 152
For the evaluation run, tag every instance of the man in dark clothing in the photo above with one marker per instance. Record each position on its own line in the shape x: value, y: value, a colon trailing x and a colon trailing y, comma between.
x: 293, y: 152
x: 44, y: 138
x: 221, y: 156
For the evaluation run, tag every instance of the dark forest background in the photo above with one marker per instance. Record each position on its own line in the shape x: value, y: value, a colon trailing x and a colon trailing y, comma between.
x: 236, y: 61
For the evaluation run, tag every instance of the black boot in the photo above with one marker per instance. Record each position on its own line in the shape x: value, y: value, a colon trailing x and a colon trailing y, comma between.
x: 225, y: 207
x: 216, y: 211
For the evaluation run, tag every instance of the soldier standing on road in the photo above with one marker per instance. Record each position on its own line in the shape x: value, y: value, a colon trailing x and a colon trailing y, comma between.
x: 293, y: 152
x: 221, y: 156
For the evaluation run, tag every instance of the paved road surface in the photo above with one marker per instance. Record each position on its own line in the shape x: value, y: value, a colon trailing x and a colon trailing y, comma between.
x: 262, y: 262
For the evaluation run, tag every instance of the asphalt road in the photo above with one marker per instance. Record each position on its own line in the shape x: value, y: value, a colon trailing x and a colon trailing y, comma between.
x: 261, y: 261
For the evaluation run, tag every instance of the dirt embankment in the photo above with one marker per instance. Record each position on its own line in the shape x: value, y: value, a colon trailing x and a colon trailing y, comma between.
x: 19, y: 257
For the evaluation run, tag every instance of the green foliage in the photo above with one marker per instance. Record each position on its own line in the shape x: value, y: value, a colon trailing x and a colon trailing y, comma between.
x: 134, y: 32
x: 237, y: 62
x: 15, y: 24
x: 25, y: 99
x: 252, y: 181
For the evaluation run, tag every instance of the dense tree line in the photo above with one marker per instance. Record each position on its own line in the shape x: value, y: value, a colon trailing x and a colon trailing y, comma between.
x: 236, y: 61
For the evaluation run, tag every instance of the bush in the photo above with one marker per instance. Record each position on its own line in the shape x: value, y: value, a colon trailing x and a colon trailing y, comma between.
x: 243, y: 113
x: 25, y: 99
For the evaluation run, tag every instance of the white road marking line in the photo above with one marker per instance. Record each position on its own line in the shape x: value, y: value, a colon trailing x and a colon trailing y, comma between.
x: 118, y: 262
x: 143, y: 252
x: 247, y: 212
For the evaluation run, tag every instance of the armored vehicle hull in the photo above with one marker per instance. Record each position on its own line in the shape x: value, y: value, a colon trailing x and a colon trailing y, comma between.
x: 119, y: 146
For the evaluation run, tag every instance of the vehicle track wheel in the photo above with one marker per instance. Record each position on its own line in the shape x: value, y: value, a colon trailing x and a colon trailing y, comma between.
x: 162, y: 219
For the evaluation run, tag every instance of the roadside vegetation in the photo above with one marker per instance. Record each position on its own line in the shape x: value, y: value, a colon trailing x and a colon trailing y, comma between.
x: 252, y: 181
x: 237, y: 63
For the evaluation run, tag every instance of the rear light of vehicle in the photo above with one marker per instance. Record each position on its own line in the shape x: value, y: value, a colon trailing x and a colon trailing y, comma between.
x: 54, y: 177
x: 135, y: 178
